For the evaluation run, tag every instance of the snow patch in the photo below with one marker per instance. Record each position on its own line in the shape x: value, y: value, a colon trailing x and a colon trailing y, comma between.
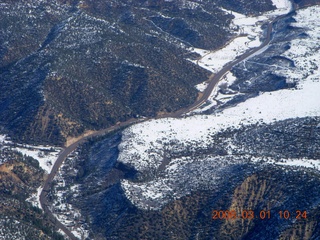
x: 35, y: 198
x: 284, y: 5
x: 202, y: 86
x: 4, y: 140
x: 293, y: 162
x: 46, y: 156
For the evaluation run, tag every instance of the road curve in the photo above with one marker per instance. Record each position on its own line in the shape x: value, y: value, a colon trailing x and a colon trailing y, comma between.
x: 61, y: 157
x: 212, y: 82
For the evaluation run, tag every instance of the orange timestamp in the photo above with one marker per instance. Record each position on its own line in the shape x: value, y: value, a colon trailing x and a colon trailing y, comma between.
x: 250, y: 214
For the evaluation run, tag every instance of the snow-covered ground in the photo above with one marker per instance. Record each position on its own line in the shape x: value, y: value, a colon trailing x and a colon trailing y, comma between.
x: 35, y: 198
x: 249, y: 33
x: 214, y: 61
x: 227, y: 80
x: 302, y: 162
x: 4, y: 141
x: 182, y: 176
x: 144, y: 145
x: 283, y: 6
x: 46, y: 156
x: 13, y: 229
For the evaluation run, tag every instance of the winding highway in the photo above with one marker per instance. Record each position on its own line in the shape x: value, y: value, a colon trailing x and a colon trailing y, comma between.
x: 212, y: 82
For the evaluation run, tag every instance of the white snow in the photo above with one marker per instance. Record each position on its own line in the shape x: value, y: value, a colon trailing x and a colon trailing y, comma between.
x: 4, y: 140
x: 227, y: 80
x: 249, y: 33
x: 46, y: 159
x: 202, y: 86
x: 214, y: 61
x: 284, y: 5
x: 46, y: 155
x: 35, y: 198
x: 144, y: 145
x: 294, y: 162
x: 62, y: 233
x: 181, y: 177
x: 307, y: 163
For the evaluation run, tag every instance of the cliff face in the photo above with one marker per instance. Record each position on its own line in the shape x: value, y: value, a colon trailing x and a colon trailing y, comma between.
x: 247, y: 197
x: 269, y: 191
x: 307, y: 230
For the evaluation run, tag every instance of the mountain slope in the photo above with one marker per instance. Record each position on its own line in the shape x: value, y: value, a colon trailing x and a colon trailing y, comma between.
x: 69, y: 66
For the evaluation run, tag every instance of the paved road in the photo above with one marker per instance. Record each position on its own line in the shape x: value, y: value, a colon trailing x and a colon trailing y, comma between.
x: 213, y: 80
x: 216, y: 77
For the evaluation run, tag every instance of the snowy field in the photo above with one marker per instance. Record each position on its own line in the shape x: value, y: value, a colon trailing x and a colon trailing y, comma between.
x: 45, y: 158
x: 46, y: 155
x: 144, y: 145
